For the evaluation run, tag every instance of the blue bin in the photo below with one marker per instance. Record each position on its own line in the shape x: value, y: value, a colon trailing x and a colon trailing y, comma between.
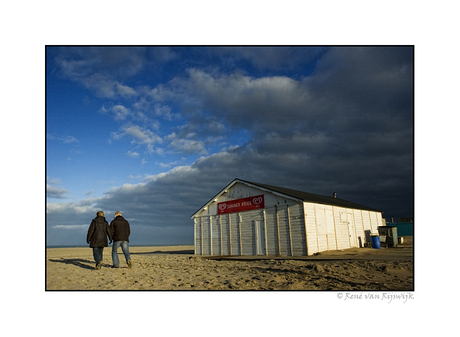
x: 375, y: 241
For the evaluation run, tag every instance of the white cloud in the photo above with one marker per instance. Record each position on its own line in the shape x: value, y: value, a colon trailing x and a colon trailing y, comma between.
x: 140, y: 135
x: 165, y: 112
x: 104, y: 86
x: 53, y: 181
x: 71, y: 227
x: 70, y: 139
x: 64, y: 139
x: 143, y: 135
x: 188, y: 146
x: 120, y: 112
x: 57, y: 193
x: 125, y: 90
x: 85, y: 205
x: 171, y: 164
x: 132, y: 154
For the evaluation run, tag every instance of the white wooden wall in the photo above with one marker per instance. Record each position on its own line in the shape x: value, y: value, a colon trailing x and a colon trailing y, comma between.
x: 291, y: 228
x: 334, y: 228
x: 234, y: 233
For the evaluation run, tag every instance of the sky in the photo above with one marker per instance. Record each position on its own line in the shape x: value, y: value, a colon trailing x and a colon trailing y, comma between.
x: 155, y: 132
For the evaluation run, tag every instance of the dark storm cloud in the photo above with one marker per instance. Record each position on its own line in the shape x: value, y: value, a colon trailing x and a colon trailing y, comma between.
x: 347, y: 126
x: 366, y: 84
x: 78, y: 63
x: 272, y: 59
x: 259, y: 104
x: 353, y: 90
x: 358, y: 100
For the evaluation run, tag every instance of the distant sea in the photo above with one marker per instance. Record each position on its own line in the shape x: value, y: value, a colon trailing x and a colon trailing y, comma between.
x: 146, y: 245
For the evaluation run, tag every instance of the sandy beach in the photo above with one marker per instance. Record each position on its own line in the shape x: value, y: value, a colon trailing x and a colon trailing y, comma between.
x: 177, y: 268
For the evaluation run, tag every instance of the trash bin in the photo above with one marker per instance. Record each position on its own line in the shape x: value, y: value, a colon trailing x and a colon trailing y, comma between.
x: 389, y: 235
x: 375, y: 241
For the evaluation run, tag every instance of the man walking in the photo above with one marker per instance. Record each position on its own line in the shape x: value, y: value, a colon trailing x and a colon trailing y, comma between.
x: 97, y: 237
x: 121, y: 231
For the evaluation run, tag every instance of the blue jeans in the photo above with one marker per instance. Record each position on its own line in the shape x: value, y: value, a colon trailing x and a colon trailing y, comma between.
x: 124, y: 247
x: 97, y: 253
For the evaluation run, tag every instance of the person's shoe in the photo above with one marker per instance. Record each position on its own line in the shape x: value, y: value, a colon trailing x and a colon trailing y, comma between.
x: 129, y: 264
x: 98, y: 265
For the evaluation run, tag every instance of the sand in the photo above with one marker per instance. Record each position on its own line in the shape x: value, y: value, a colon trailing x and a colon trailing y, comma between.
x: 177, y: 268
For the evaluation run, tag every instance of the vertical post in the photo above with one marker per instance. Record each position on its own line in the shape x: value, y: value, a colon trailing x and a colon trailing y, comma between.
x: 220, y: 224
x: 316, y: 228
x: 241, y: 239
x: 327, y: 232
x: 210, y: 232
x: 305, y: 225
x: 201, y: 230
x: 335, y: 230
x: 278, y: 230
x: 194, y: 235
x: 289, y: 225
x: 265, y: 232
x: 230, y: 232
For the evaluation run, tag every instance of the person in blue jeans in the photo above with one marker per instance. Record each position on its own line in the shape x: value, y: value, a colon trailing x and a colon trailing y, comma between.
x: 120, y: 235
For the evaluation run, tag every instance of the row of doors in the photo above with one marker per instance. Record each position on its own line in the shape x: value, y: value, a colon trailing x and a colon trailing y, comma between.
x: 258, y: 230
x: 327, y: 229
x: 259, y: 233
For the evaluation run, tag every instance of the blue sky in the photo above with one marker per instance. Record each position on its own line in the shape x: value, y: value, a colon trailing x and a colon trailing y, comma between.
x: 155, y: 132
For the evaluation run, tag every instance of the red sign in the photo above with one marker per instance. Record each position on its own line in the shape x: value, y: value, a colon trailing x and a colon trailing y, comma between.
x: 240, y: 205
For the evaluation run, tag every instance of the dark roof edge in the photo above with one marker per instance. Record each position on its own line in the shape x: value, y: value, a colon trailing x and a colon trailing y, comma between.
x: 315, y: 198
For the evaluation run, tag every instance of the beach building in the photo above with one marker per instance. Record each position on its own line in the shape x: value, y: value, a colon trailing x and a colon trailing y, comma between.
x: 247, y: 218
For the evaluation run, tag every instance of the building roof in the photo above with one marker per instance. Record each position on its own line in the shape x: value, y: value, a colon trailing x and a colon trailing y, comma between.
x: 304, y: 196
x: 315, y: 198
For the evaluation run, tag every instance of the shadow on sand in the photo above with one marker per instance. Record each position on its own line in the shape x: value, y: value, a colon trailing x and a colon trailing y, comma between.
x: 191, y: 251
x: 86, y: 264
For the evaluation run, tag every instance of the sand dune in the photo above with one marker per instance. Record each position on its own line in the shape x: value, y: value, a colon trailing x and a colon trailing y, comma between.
x: 177, y: 268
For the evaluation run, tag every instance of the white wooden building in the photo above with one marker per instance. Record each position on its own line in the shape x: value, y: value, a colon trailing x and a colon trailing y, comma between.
x: 247, y: 218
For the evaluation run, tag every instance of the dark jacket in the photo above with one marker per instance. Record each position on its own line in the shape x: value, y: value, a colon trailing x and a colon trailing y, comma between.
x: 120, y: 229
x: 98, y: 232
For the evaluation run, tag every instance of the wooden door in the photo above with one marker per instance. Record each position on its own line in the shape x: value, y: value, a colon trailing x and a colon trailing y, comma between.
x: 260, y: 236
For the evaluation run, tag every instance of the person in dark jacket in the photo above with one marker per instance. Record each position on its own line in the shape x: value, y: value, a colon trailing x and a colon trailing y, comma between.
x: 97, y: 237
x: 120, y: 231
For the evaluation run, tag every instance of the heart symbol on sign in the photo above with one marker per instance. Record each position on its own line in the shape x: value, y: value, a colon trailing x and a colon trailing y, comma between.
x: 257, y: 201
